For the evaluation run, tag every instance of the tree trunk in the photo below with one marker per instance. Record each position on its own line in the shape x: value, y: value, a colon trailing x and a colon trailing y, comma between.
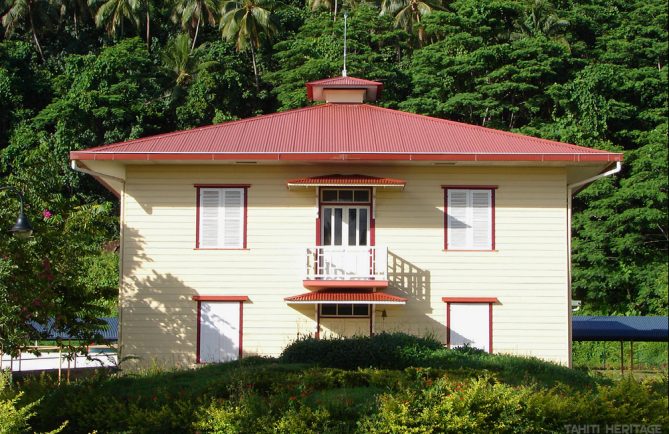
x: 148, y: 28
x: 255, y: 67
x: 334, y: 18
x: 197, y: 29
x: 32, y: 27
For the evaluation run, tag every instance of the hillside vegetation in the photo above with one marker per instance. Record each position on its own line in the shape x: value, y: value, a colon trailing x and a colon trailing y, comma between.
x: 386, y: 384
x: 77, y: 74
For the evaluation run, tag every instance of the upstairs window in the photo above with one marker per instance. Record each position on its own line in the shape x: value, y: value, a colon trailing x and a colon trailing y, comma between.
x: 221, y: 217
x: 470, y: 216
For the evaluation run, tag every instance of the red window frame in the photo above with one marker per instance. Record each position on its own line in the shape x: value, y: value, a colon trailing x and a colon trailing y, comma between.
x: 492, y: 189
x: 462, y: 300
x: 245, y: 187
x: 220, y: 298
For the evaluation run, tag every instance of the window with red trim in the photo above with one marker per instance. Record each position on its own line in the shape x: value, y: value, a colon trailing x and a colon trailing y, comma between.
x: 221, y: 217
x: 470, y: 218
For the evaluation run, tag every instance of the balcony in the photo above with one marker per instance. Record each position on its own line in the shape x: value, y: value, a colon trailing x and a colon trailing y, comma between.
x: 347, y: 267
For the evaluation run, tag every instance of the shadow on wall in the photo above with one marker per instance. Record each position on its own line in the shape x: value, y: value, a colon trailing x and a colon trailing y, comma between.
x: 158, y: 317
x: 411, y: 281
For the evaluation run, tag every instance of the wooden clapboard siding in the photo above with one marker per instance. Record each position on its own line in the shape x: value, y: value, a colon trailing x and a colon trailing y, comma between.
x: 162, y: 269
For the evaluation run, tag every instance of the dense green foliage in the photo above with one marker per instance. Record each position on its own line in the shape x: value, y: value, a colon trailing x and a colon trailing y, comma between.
x: 259, y: 395
x: 76, y: 74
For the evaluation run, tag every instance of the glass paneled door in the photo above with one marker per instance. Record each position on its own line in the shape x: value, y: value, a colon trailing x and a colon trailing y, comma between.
x: 345, y: 241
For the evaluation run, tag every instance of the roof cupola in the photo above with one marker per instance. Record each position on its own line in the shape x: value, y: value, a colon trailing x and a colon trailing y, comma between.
x: 343, y: 89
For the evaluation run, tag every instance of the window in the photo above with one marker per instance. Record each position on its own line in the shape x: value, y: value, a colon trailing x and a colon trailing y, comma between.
x: 469, y: 322
x: 221, y: 217
x: 470, y: 217
x: 345, y: 195
x: 344, y: 310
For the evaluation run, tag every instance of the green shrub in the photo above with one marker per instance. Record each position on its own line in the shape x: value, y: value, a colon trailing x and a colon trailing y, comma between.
x: 385, y: 351
x: 486, y: 405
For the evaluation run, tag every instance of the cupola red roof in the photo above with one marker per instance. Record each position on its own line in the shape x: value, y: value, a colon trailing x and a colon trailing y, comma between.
x: 344, y: 132
x: 316, y: 89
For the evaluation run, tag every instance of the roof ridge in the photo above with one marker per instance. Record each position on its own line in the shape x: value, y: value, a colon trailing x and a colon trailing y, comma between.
x: 200, y: 128
x: 553, y: 143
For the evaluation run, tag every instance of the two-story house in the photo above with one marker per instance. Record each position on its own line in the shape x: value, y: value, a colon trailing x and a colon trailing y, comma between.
x: 338, y: 219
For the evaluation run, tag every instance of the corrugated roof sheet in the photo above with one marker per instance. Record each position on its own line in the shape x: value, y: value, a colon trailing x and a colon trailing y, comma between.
x: 620, y: 328
x: 344, y: 131
x: 109, y: 330
x: 346, y: 296
x: 347, y: 180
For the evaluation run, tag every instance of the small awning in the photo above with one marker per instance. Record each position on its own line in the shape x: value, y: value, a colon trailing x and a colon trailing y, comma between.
x: 353, y: 296
x: 347, y: 181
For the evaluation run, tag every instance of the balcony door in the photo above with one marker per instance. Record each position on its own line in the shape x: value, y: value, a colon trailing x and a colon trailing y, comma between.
x: 345, y: 236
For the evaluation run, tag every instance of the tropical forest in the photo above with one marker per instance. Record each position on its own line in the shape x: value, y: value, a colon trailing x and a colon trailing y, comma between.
x: 76, y: 74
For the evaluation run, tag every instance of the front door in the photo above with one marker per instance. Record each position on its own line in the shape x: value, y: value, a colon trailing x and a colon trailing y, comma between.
x: 345, y: 241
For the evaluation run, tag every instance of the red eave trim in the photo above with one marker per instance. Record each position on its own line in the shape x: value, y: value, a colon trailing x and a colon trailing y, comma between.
x: 222, y: 185
x: 470, y: 300
x: 220, y: 298
x: 470, y: 187
x: 322, y: 284
x: 151, y: 156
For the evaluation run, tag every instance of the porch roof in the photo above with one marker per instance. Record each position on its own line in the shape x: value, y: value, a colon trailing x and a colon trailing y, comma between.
x: 348, y: 296
x: 347, y: 181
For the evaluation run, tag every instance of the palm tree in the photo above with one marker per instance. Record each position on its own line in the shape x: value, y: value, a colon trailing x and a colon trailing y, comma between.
x: 34, y: 13
x: 191, y: 12
x: 408, y: 13
x: 178, y: 58
x: 77, y: 8
x: 248, y: 23
x: 540, y: 19
x: 112, y: 14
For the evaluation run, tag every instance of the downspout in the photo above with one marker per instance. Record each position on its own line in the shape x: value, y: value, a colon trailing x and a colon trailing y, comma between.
x: 570, y: 192
x: 76, y: 168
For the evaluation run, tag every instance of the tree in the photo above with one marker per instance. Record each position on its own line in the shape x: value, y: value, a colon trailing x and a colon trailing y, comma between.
x: 190, y: 13
x: 112, y: 14
x: 408, y: 14
x: 179, y: 59
x: 33, y: 13
x: 248, y: 23
x: 77, y: 8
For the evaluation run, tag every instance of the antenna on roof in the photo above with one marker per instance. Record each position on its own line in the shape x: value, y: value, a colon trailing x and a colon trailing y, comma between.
x: 343, y: 72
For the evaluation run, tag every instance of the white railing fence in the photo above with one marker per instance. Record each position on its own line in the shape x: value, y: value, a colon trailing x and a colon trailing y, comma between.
x: 347, y: 263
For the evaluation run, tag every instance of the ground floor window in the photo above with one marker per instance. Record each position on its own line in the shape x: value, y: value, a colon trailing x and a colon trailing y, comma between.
x: 344, y: 310
x: 219, y: 328
x: 469, y: 322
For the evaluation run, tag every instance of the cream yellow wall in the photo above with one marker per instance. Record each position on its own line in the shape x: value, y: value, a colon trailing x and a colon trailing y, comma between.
x: 162, y: 270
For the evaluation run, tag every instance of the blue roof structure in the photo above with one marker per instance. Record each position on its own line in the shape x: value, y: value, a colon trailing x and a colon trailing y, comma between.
x: 620, y: 328
x: 109, y: 331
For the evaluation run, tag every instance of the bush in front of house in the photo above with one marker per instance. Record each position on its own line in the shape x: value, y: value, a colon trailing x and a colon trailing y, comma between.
x: 384, y: 351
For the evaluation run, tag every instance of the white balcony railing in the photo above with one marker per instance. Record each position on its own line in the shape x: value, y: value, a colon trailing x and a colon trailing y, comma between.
x: 347, y: 263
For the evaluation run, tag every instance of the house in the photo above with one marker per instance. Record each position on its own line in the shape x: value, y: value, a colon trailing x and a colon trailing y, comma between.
x: 338, y: 219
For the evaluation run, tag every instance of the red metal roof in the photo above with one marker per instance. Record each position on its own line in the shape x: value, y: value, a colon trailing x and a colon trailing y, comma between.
x: 361, y: 296
x: 351, y: 180
x: 373, y: 87
x: 336, y: 132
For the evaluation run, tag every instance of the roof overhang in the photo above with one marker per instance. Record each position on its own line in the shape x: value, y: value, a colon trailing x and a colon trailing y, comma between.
x: 573, y: 158
x: 346, y: 181
x: 351, y: 296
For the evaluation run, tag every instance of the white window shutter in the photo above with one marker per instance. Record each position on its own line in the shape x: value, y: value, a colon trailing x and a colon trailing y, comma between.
x: 458, y: 226
x: 481, y: 222
x: 233, y: 221
x: 209, y: 217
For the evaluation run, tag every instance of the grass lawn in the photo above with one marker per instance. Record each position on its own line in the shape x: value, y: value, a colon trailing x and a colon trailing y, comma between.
x: 407, y: 385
